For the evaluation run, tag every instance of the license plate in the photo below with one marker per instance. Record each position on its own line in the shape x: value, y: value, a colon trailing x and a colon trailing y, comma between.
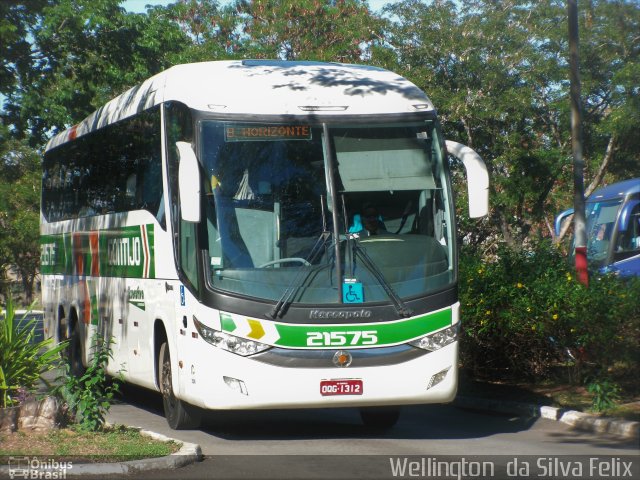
x: 341, y: 387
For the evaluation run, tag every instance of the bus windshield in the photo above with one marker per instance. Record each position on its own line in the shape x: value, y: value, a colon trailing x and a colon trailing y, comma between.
x: 601, y: 218
x: 273, y: 192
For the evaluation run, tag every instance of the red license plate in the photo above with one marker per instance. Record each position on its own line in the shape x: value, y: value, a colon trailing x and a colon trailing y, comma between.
x: 341, y: 387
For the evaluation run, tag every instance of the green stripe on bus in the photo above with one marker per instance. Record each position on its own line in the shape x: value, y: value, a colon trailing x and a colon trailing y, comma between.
x: 362, y: 335
x: 117, y: 252
x: 336, y: 335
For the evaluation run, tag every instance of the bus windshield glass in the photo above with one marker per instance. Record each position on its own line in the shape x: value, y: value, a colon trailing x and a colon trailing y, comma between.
x: 601, y: 218
x: 273, y: 192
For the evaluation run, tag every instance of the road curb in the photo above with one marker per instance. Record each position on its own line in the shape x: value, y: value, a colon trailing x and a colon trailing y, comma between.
x: 188, y: 453
x: 582, y: 421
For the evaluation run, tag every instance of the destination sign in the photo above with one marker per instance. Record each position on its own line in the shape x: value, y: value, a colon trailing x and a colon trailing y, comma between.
x: 243, y: 133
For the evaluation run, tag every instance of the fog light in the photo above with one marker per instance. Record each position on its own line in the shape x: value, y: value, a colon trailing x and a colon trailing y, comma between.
x: 437, y: 378
x: 235, y: 384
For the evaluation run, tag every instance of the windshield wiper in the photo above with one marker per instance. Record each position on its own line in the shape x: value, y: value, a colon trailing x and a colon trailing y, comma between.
x: 353, y: 247
x: 398, y: 304
x: 300, y: 278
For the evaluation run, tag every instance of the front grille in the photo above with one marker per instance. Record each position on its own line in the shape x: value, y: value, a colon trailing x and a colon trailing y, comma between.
x: 366, y: 357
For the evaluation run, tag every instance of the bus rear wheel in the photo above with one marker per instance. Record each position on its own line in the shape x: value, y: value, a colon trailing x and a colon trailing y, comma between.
x: 74, y: 352
x: 379, y: 418
x: 179, y: 414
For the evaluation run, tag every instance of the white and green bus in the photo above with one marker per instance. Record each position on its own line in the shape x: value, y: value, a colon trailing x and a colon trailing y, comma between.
x: 214, y: 221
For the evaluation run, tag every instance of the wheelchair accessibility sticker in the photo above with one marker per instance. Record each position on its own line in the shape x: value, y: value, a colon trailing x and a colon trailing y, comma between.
x: 352, y: 291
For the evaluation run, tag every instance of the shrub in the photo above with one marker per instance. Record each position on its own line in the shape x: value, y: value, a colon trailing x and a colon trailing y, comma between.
x: 525, y: 313
x: 89, y: 396
x: 605, y: 394
x: 22, y: 359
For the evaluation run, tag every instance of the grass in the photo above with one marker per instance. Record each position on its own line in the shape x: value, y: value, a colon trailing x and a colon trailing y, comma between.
x: 115, y: 444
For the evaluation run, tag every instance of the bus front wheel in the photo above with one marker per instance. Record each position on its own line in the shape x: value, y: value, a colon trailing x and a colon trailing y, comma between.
x: 179, y: 414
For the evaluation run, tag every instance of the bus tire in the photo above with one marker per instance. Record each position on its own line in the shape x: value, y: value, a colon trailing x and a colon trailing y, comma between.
x: 379, y: 418
x: 179, y: 414
x: 74, y: 350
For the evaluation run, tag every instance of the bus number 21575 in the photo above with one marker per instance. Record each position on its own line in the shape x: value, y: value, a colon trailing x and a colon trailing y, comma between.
x: 339, y: 339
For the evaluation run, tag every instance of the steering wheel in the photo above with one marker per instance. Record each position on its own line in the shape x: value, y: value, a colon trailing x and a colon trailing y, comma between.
x: 285, y: 260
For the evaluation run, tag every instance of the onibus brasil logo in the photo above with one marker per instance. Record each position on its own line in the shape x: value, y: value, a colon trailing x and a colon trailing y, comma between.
x: 34, y: 467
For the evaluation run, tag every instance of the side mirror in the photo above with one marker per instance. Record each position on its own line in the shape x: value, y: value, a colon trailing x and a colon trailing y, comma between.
x: 477, y: 178
x: 560, y: 218
x: 188, y: 183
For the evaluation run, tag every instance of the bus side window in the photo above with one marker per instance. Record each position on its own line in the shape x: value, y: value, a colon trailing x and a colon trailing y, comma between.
x: 629, y: 240
x: 188, y: 252
x: 178, y: 128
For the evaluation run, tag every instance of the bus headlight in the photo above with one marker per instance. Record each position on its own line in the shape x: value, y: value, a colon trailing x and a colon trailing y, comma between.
x: 230, y: 343
x: 435, y: 341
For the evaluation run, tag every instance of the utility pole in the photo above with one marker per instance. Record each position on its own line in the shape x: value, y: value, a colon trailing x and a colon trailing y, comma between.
x: 579, y: 223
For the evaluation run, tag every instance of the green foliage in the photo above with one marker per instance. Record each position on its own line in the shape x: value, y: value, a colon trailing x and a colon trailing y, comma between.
x: 605, y: 394
x: 524, y: 313
x: 22, y: 360
x: 19, y: 209
x: 15, y: 19
x: 497, y: 72
x: 307, y: 29
x: 84, y: 53
x: 89, y: 397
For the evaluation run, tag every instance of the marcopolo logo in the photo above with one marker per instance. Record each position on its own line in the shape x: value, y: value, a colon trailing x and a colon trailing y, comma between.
x: 339, y: 314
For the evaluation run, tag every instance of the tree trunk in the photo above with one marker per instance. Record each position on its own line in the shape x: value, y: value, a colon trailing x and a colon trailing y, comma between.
x: 27, y: 287
x: 611, y: 148
x: 595, y: 183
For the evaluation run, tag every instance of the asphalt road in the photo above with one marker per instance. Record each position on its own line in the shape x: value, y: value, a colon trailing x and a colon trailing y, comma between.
x: 329, y: 443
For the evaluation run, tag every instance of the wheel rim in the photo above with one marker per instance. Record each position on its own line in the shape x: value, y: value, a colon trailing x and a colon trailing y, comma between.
x: 165, y: 383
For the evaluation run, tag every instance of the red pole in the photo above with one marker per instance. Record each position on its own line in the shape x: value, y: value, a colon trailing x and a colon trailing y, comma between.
x: 581, y: 266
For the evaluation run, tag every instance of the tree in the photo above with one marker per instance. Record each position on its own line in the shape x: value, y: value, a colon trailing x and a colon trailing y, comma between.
x: 85, y: 52
x: 19, y: 210
x: 498, y: 73
x: 325, y: 30
x: 212, y: 32
x: 16, y: 17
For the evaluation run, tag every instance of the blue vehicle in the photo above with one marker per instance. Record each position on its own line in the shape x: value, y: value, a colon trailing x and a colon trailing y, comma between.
x: 613, y: 228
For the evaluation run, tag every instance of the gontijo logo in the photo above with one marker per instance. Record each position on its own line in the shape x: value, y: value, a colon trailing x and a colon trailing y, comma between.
x: 117, y: 252
x: 124, y: 251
